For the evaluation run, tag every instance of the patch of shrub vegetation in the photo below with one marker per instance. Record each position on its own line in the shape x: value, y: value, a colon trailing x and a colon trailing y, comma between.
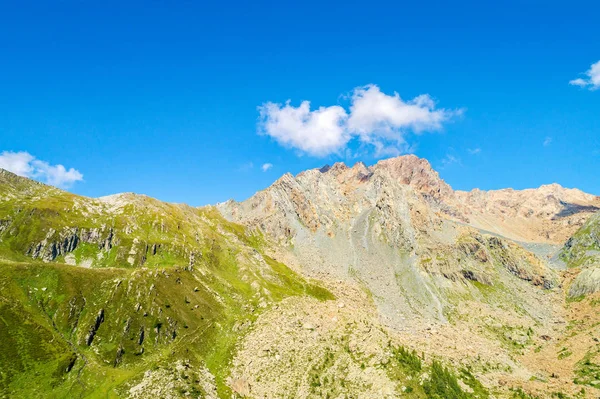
x: 443, y: 384
x: 479, y: 391
x: 564, y: 353
x: 518, y: 393
x: 409, y: 360
x: 587, y: 372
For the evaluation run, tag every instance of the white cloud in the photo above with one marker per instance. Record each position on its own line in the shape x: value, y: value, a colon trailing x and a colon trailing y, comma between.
x: 26, y: 165
x: 266, y: 166
x: 592, y: 81
x: 17, y: 162
x: 375, y: 113
x: 319, y: 132
x: 374, y: 118
x: 578, y: 82
x: 474, y: 151
x: 547, y: 141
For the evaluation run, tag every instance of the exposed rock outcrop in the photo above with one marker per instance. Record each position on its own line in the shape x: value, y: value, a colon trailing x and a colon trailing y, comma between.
x: 587, y: 282
x: 56, y: 243
x: 397, y: 226
x: 583, y: 248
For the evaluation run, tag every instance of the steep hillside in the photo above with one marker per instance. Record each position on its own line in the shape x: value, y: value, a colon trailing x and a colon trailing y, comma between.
x: 473, y: 267
x: 111, y: 296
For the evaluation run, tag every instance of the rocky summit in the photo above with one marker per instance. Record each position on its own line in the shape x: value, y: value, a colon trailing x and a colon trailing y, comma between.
x: 340, y: 282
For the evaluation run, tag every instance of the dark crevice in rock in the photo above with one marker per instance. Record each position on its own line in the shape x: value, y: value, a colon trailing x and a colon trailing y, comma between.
x: 141, y: 337
x: 94, y: 328
x: 71, y: 363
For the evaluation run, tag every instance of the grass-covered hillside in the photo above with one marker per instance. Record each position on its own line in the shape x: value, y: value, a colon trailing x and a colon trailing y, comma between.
x: 125, y: 296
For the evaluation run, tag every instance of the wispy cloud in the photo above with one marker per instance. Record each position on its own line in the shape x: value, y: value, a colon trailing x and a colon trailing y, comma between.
x: 448, y: 160
x: 266, y: 166
x: 592, y: 79
x: 26, y: 165
x: 547, y: 141
x: 374, y: 118
x: 474, y: 151
x: 246, y: 167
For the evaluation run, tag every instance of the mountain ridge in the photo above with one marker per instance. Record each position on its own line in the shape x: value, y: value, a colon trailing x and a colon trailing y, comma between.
x: 326, y: 283
x: 466, y: 205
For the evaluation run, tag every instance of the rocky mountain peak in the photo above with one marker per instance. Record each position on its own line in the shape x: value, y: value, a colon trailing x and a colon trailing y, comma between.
x: 566, y: 194
x: 406, y: 170
x: 337, y: 168
x: 416, y: 172
x: 549, y: 214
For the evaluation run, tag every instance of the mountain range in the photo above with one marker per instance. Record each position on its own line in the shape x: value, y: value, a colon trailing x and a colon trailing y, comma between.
x: 340, y: 282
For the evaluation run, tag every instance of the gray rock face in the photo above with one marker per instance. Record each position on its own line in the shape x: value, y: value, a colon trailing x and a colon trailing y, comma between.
x: 4, y: 225
x: 587, y: 282
x: 56, y: 244
x: 583, y: 248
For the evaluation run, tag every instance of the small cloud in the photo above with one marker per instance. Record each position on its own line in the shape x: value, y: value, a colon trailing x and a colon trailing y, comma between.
x: 474, y: 151
x: 578, y: 82
x: 547, y: 141
x: 266, y: 166
x: 449, y: 160
x: 24, y: 164
x: 377, y: 120
x: 592, y: 80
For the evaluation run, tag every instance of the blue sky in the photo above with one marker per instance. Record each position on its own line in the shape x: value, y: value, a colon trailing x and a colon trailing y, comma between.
x: 163, y: 99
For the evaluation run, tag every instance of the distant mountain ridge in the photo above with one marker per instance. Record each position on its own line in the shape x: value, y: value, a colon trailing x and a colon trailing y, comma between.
x: 548, y: 214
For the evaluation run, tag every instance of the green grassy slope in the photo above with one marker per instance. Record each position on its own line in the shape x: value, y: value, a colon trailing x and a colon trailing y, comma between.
x: 162, y: 284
